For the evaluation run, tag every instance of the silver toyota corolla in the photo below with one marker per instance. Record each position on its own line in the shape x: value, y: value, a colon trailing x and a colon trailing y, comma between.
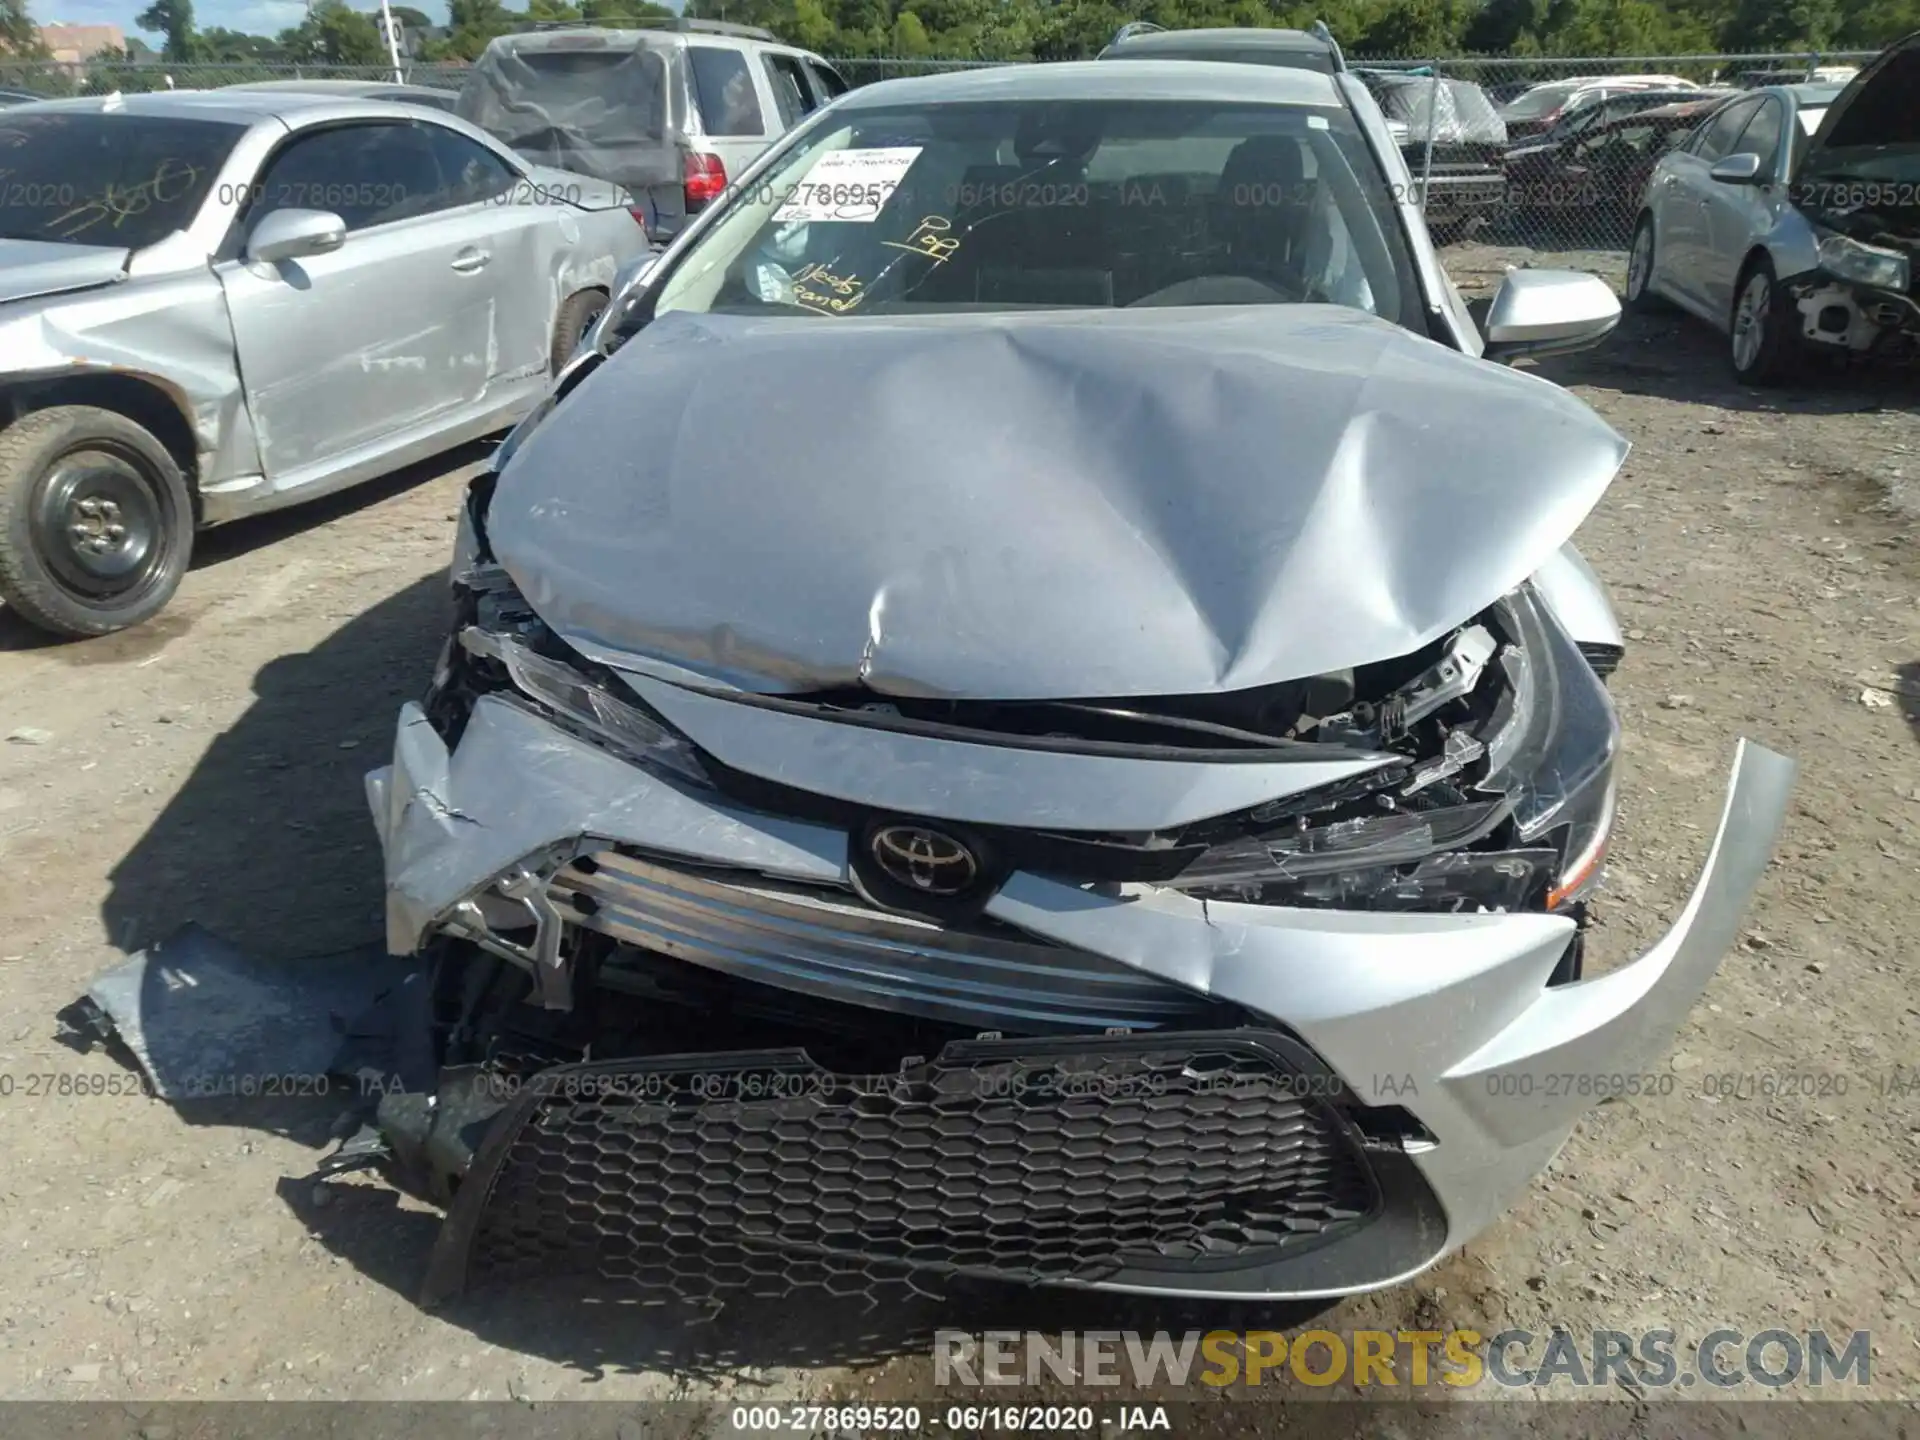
x: 214, y: 304
x: 1791, y: 220
x: 1027, y: 709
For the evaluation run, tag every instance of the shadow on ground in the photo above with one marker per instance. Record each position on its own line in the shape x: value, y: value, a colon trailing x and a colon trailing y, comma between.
x: 1676, y: 357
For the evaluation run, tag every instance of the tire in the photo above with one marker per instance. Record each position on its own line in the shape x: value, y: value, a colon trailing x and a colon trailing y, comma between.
x: 570, y: 326
x: 96, y: 522
x: 1641, y: 299
x: 1760, y: 344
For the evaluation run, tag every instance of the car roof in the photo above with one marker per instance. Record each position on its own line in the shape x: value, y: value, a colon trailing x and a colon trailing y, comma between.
x: 1208, y: 39
x: 1823, y: 93
x: 236, y: 107
x: 1680, y: 109
x: 599, y: 37
x: 370, y: 89
x: 1190, y: 80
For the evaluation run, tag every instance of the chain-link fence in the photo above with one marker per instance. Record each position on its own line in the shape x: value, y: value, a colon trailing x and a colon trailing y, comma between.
x: 1523, y: 159
x: 1578, y: 140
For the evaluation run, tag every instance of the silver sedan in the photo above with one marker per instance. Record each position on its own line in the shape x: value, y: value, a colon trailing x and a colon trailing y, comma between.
x: 219, y: 303
x: 1788, y: 221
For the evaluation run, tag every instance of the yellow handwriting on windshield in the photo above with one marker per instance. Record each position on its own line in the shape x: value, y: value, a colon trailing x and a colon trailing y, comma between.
x: 929, y: 238
x: 171, y: 179
x: 818, y: 288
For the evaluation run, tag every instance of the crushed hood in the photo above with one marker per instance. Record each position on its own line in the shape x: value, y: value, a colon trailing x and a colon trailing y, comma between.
x: 29, y: 268
x: 1038, y: 505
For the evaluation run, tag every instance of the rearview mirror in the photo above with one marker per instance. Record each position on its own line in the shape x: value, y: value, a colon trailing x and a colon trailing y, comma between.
x: 290, y: 234
x: 1549, y: 312
x: 1741, y: 169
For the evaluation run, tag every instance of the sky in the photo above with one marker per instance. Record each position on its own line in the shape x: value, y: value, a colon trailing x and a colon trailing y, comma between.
x: 256, y: 17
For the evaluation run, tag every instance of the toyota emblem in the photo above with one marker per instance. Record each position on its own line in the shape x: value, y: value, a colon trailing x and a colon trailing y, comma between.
x: 924, y: 860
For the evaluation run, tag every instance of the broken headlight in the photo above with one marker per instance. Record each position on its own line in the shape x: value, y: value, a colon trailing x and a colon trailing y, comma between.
x: 610, y: 721
x: 1528, y: 833
x: 1845, y: 258
x: 1553, y: 755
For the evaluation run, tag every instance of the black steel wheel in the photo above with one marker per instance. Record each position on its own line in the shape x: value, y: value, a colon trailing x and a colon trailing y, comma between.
x: 96, y: 525
x: 571, y: 325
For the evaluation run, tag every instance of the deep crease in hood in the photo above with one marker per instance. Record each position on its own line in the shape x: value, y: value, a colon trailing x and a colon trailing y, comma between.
x: 1064, y: 504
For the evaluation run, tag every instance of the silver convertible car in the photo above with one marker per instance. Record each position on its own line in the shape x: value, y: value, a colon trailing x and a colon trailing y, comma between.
x: 1791, y: 221
x: 219, y: 303
x: 1026, y: 709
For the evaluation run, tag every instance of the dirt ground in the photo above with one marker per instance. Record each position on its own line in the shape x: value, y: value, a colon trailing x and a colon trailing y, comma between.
x: 208, y: 767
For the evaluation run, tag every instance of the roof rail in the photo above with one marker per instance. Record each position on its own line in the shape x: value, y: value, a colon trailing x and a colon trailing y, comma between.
x: 678, y: 23
x: 1321, y: 33
x: 1136, y: 27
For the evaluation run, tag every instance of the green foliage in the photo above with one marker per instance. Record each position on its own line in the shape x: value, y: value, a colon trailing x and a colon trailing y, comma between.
x: 1072, y: 29
x: 19, y: 36
x: 173, y: 19
x: 335, y: 34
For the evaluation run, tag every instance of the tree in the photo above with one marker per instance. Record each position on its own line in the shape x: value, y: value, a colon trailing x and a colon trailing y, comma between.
x: 910, y: 36
x: 235, y: 46
x: 618, y: 12
x: 1757, y: 25
x: 173, y: 19
x: 471, y: 24
x: 19, y: 36
x: 812, y: 28
x: 336, y: 34
x: 550, y: 11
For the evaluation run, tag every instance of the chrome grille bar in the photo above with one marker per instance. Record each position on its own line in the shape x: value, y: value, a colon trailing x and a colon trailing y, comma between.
x: 833, y: 947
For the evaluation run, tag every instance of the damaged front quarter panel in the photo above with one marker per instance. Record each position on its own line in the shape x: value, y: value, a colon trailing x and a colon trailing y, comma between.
x: 168, y: 331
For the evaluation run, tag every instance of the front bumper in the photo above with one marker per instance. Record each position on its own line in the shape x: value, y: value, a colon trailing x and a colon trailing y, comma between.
x: 1445, y: 1021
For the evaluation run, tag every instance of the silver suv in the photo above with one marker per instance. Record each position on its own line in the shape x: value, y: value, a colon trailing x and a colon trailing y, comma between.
x: 668, y: 111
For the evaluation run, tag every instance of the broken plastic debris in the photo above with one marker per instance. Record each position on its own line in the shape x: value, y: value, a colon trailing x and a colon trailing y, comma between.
x: 205, y: 1020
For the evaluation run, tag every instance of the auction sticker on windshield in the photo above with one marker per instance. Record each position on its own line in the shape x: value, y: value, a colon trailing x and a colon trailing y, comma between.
x: 849, y: 185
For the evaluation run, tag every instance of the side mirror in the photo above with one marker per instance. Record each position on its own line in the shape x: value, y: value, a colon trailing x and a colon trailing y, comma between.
x: 1741, y: 169
x: 1549, y: 312
x: 290, y: 234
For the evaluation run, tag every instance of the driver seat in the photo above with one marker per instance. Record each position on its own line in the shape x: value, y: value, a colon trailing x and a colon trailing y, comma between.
x: 1263, y: 207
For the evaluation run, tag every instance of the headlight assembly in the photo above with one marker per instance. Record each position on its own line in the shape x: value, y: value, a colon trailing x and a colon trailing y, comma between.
x: 1538, y: 817
x: 623, y: 728
x: 1845, y: 258
x: 1553, y: 756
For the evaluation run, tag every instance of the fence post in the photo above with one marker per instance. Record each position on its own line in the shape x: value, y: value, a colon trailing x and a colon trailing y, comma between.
x: 1433, y: 123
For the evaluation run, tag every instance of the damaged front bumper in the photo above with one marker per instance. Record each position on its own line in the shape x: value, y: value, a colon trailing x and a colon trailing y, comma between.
x: 1304, y: 1102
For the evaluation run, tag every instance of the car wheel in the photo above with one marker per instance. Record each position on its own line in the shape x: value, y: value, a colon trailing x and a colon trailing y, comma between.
x: 1760, y: 338
x: 1640, y: 293
x: 96, y: 525
x: 570, y: 326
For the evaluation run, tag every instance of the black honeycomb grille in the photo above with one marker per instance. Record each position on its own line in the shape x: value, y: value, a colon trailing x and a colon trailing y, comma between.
x: 704, y: 1177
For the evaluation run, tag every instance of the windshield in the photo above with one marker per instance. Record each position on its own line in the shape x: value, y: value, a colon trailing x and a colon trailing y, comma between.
x: 121, y: 180
x: 1003, y: 206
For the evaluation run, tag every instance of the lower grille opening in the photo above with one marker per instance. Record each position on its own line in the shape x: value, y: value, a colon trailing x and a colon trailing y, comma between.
x: 1088, y: 1160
